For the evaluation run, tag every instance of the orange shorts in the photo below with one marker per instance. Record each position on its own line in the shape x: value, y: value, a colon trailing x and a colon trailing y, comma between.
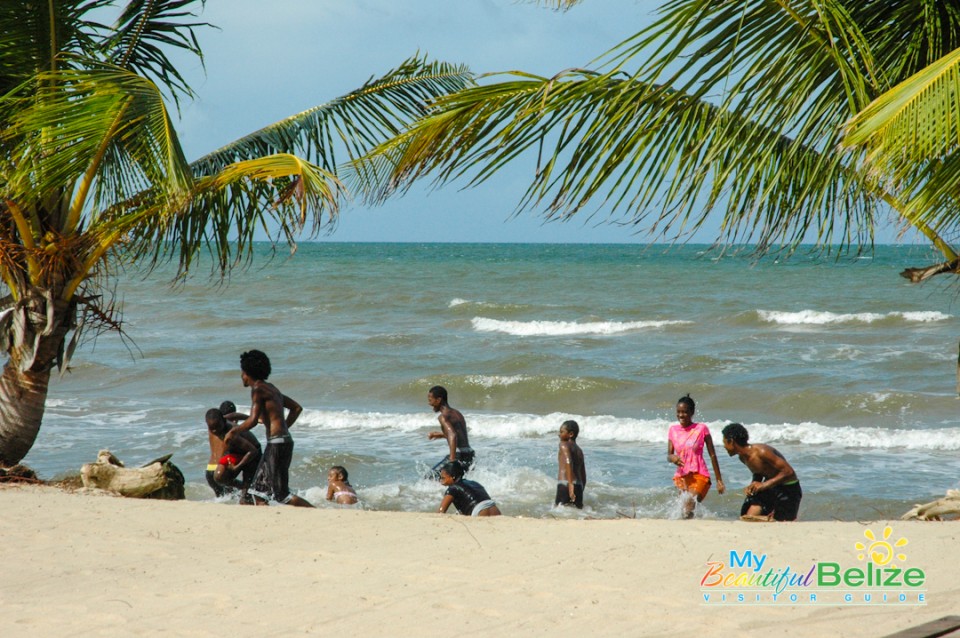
x: 695, y: 483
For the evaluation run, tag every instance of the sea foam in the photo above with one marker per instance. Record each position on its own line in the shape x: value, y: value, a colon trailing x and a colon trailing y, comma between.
x: 820, y: 317
x: 638, y: 430
x: 565, y: 328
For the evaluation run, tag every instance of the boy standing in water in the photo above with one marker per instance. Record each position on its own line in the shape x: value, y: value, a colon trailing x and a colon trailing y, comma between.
x: 775, y: 491
x: 468, y: 497
x: 242, y: 454
x: 571, y: 472
x: 453, y: 429
x: 267, y: 405
x: 217, y: 450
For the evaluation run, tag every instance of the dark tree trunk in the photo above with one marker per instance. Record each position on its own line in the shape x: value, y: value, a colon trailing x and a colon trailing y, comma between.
x: 33, y: 333
x: 23, y: 396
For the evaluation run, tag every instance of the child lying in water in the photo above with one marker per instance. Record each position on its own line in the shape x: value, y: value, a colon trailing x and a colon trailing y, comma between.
x: 339, y: 488
x: 468, y: 497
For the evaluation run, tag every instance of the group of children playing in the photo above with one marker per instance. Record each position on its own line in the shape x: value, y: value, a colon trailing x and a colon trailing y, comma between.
x: 773, y: 494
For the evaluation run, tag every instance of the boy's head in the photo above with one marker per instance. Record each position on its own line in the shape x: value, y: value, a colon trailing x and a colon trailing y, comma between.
x: 450, y: 473
x: 571, y: 428
x: 337, y: 473
x: 437, y: 397
x: 215, y: 421
x: 255, y: 365
x: 735, y: 435
x: 228, y: 407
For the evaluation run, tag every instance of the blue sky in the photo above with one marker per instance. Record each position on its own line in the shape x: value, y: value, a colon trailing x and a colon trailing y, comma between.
x: 272, y: 59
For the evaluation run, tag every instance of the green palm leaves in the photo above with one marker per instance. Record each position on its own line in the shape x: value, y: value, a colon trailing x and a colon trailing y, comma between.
x: 92, y: 158
x: 911, y: 134
x: 734, y: 110
x: 92, y: 169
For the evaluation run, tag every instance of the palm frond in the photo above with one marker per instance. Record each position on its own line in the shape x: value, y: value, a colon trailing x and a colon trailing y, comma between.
x: 617, y: 143
x: 144, y: 33
x: 916, y: 121
x: 354, y: 123
x: 277, y: 195
x: 104, y: 131
x: 32, y: 38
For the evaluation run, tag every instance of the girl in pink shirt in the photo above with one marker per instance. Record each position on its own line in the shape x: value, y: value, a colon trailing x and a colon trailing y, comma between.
x: 685, y: 443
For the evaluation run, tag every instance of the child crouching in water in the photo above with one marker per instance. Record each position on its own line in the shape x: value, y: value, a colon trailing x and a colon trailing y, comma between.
x: 468, y: 497
x: 339, y: 488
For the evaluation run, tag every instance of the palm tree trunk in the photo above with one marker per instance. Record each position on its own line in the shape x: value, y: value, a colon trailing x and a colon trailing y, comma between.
x: 23, y: 396
x: 34, y: 336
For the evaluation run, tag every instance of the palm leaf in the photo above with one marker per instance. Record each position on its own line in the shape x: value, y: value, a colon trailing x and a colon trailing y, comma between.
x: 353, y: 123
x: 144, y: 33
x: 732, y: 107
x: 104, y: 131
x: 916, y: 121
x: 276, y: 195
x: 31, y: 37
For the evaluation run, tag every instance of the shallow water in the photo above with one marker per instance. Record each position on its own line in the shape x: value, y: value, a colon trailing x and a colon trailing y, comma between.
x: 845, y: 367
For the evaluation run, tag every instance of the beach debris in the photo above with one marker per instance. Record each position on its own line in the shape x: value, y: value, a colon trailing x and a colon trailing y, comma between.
x: 157, y: 479
x: 948, y: 506
x: 18, y: 474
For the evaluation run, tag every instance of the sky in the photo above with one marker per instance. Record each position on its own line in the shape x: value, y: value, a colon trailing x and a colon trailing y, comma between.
x: 269, y: 60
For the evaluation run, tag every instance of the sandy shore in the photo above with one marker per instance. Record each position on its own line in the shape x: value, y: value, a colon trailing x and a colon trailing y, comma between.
x: 85, y: 565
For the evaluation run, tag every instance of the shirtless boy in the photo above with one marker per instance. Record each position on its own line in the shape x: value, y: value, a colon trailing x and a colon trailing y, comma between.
x: 775, y: 491
x: 453, y: 429
x: 242, y: 454
x: 571, y: 472
x: 217, y: 447
x: 267, y: 405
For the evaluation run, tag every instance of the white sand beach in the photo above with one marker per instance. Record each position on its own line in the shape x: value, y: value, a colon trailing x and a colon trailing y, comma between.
x: 87, y: 565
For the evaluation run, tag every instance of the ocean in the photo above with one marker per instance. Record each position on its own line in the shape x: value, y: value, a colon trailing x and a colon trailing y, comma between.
x: 846, y: 368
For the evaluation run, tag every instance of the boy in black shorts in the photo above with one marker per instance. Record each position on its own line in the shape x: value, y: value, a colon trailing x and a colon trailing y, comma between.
x: 775, y: 492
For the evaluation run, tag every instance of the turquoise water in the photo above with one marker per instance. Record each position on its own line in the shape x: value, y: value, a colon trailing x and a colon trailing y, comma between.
x: 849, y: 370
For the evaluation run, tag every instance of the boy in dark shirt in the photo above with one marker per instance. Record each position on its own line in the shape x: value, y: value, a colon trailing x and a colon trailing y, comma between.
x: 468, y: 497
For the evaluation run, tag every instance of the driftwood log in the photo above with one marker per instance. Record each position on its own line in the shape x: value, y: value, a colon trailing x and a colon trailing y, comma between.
x: 948, y: 506
x: 157, y: 479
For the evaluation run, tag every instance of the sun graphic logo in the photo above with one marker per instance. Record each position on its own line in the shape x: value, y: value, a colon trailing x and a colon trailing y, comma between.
x: 881, y: 551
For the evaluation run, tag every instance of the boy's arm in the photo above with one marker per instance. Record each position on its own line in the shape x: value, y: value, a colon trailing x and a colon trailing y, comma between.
x: 245, y: 447
x: 708, y: 441
x: 566, y: 469
x: 583, y: 468
x: 445, y: 503
x: 233, y: 417
x: 784, y: 470
x: 252, y: 419
x: 295, y: 410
